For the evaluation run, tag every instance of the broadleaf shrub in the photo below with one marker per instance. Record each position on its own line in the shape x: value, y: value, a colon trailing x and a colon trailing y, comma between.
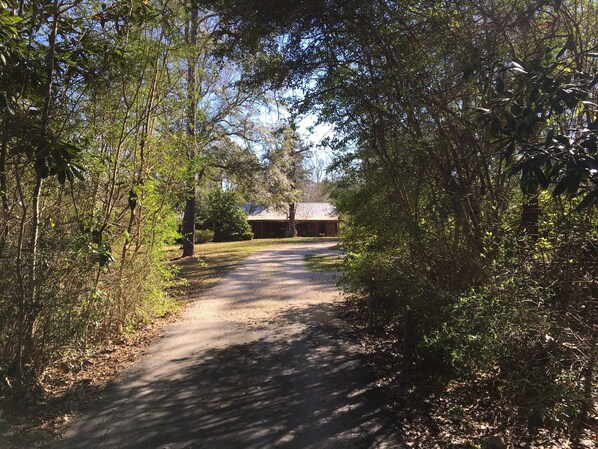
x: 226, y: 217
x: 204, y: 235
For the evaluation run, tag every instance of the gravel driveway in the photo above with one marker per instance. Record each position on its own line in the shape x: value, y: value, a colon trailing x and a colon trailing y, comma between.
x: 260, y: 361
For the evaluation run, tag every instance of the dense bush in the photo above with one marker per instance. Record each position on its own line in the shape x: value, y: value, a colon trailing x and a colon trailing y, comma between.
x: 522, y: 322
x: 471, y: 230
x: 226, y: 217
x: 204, y: 235
x: 88, y: 187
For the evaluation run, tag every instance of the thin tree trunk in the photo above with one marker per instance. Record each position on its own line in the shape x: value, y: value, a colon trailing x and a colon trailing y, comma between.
x: 4, y: 195
x: 530, y: 214
x: 189, y: 213
x: 33, y: 308
x: 34, y: 245
x: 30, y: 310
x: 17, y: 365
x: 189, y: 224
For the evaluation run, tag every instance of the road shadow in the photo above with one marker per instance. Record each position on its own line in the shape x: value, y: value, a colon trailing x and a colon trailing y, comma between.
x: 301, y: 385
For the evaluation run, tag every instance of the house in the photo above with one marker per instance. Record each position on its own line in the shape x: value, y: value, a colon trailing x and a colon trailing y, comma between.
x: 312, y: 220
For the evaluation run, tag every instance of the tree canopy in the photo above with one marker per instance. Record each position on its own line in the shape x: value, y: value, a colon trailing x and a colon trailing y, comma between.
x: 465, y: 168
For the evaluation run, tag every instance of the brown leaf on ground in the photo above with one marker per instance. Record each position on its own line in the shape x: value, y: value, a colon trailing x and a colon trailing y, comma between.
x: 68, y: 387
x: 435, y: 412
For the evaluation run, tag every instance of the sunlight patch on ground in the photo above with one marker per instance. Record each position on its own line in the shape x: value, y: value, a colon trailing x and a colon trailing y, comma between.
x: 327, y: 262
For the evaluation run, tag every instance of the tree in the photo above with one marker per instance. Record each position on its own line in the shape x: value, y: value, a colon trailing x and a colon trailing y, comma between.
x: 105, y: 128
x: 96, y: 121
x: 191, y: 39
x: 38, y: 144
x: 221, y: 115
x: 226, y: 217
x: 545, y: 122
x: 286, y: 165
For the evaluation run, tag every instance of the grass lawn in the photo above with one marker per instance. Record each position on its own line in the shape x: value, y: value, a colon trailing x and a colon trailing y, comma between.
x: 328, y: 262
x: 214, y: 260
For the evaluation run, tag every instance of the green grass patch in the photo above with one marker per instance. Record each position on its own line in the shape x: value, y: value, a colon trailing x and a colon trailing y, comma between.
x: 329, y: 262
x: 214, y: 260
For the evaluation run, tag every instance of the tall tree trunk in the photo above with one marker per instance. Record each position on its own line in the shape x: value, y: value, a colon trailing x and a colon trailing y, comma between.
x: 17, y: 364
x: 189, y: 213
x: 189, y: 224
x: 29, y: 312
x: 292, y: 220
x: 34, y: 245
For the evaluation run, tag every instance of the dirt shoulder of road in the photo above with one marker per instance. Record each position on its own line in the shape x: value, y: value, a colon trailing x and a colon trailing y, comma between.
x: 34, y: 418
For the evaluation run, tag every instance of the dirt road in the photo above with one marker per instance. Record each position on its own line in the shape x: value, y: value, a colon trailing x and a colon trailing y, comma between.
x: 260, y: 361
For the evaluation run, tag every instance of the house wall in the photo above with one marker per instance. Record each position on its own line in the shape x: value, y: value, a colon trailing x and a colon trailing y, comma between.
x: 332, y: 229
x: 278, y: 229
x: 269, y: 229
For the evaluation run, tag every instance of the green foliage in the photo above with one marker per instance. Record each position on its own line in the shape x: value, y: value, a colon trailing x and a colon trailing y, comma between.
x: 545, y: 122
x: 226, y: 217
x: 506, y: 333
x: 82, y: 260
x: 204, y: 236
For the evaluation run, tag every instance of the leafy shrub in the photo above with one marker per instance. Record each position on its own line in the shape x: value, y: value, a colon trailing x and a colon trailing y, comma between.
x: 204, y: 236
x: 227, y: 218
x: 513, y: 322
x: 246, y: 236
x: 507, y: 333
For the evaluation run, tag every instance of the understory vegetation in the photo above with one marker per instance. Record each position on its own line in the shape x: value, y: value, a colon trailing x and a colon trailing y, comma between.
x: 467, y: 174
x: 223, y: 217
x: 87, y: 180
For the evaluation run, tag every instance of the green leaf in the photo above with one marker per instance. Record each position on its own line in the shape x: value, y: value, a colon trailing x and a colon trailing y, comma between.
x: 41, y: 168
x: 516, y: 67
x: 541, y: 177
x: 589, y: 200
x: 77, y: 171
x: 132, y: 199
x: 526, y: 181
x: 561, y: 186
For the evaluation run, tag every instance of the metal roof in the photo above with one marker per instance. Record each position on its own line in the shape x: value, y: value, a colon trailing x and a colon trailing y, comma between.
x: 304, y: 212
